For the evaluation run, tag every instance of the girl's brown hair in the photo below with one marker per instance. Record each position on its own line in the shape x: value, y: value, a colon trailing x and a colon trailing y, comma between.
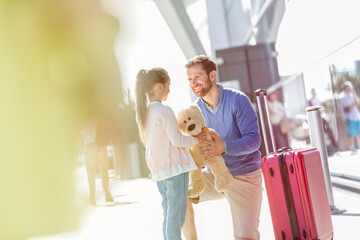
x: 145, y: 81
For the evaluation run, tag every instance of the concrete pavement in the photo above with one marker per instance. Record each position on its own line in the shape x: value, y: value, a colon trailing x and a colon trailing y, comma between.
x: 136, y: 213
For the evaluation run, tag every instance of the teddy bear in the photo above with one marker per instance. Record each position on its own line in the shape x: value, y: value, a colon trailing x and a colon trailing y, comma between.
x: 191, y: 122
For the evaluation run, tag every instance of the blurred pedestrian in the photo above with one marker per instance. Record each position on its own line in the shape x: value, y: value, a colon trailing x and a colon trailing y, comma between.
x: 167, y: 154
x: 314, y: 101
x: 278, y: 120
x: 331, y: 144
x: 96, y: 137
x: 349, y: 102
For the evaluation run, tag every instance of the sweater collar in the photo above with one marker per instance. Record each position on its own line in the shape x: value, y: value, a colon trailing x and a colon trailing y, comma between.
x: 217, y: 103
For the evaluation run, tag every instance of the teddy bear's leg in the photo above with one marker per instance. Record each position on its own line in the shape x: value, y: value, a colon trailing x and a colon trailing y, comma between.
x: 197, y: 183
x: 222, y: 175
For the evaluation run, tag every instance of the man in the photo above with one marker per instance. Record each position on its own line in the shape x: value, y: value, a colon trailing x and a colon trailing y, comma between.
x: 349, y: 102
x: 314, y: 101
x: 331, y: 145
x: 231, y: 114
x: 278, y: 120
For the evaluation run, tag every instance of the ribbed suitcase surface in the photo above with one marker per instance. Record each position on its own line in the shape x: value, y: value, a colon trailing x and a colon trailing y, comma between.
x: 295, y: 186
x: 297, y: 196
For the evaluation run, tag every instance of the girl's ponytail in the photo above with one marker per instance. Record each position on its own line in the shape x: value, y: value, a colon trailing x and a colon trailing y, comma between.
x: 145, y: 80
x: 141, y: 102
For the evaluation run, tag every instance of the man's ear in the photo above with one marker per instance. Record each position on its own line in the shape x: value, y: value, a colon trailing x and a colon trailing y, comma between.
x: 212, y: 75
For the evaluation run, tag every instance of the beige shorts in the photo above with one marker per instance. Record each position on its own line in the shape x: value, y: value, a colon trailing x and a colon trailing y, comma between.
x: 244, y: 197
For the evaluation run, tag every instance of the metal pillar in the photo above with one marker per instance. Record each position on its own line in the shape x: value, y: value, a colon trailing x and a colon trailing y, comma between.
x: 316, y: 131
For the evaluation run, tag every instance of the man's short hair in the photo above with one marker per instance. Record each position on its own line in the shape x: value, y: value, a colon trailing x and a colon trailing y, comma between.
x: 207, y: 64
x: 346, y: 84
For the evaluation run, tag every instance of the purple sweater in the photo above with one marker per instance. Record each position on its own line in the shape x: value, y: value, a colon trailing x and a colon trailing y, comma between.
x: 234, y: 118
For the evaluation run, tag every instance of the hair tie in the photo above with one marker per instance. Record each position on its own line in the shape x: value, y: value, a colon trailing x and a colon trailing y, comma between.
x: 142, y: 75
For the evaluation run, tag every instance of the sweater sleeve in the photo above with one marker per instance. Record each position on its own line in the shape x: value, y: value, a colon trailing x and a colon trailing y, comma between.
x: 247, y: 123
x: 173, y: 132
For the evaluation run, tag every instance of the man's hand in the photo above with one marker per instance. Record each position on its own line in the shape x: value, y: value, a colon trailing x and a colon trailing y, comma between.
x: 202, y: 138
x: 212, y: 147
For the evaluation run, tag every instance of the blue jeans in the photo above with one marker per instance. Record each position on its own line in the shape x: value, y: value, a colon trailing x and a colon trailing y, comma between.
x: 174, y: 193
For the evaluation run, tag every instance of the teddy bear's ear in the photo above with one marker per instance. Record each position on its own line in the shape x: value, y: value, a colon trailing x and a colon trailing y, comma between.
x: 195, y: 107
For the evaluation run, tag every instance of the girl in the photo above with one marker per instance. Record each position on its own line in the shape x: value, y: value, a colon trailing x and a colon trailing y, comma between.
x: 166, y: 147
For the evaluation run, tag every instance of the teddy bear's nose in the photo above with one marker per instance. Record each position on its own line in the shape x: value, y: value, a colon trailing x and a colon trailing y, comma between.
x: 191, y: 127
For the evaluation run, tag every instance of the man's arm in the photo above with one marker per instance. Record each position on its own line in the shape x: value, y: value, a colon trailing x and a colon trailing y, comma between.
x: 247, y: 122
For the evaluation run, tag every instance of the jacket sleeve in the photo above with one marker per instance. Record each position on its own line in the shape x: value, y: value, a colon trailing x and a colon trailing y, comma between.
x: 247, y: 123
x: 173, y: 132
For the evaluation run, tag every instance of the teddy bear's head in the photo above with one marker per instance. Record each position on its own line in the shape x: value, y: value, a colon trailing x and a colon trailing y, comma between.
x: 190, y: 120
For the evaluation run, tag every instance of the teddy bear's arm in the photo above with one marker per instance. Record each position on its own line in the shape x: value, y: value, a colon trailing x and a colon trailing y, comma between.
x: 211, y: 130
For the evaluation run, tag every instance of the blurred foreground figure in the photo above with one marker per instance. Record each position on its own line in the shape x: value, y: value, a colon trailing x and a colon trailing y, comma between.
x: 57, y: 71
x: 96, y: 137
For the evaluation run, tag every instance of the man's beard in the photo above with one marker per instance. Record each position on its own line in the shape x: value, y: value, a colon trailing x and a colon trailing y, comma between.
x: 205, y: 88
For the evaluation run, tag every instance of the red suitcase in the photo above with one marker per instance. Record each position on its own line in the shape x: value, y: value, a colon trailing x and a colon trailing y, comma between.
x: 295, y: 187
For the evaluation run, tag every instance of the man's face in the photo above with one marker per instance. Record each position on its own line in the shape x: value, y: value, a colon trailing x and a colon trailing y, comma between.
x: 272, y: 96
x: 347, y: 89
x: 199, y: 80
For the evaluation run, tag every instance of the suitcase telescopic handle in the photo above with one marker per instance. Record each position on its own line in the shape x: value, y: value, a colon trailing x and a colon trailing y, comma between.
x: 261, y: 97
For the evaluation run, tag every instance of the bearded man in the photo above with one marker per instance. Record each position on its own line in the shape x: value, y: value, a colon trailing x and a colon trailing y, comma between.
x: 230, y: 113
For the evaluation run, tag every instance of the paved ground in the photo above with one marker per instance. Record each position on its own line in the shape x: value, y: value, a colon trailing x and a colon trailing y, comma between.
x: 137, y: 214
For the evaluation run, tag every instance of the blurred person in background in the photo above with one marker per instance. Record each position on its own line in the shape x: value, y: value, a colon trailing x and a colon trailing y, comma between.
x: 96, y: 137
x: 278, y: 120
x: 349, y: 102
x: 314, y: 101
x: 124, y: 135
x: 331, y: 145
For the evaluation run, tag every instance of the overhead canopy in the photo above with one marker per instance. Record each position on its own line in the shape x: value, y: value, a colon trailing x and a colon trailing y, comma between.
x: 176, y: 17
